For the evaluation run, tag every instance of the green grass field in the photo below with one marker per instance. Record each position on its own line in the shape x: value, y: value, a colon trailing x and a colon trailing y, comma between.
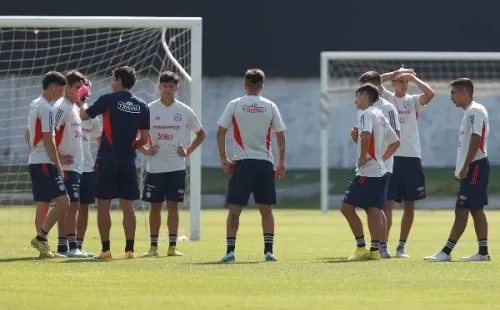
x: 311, y: 273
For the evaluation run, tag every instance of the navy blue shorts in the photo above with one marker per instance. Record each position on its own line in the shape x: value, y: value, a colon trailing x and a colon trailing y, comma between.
x: 72, y: 184
x: 473, y: 191
x: 46, y: 182
x: 407, y: 180
x: 116, y: 181
x: 169, y: 186
x: 387, y: 180
x: 252, y: 176
x: 87, y: 188
x: 366, y: 192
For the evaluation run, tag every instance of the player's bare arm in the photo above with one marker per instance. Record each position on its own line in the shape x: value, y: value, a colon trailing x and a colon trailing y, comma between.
x: 198, y: 139
x: 354, y: 134
x: 391, y: 149
x: 475, y: 140
x: 27, y: 137
x: 143, y: 139
x: 427, y: 92
x: 281, y: 167
x: 391, y: 75
x: 365, y: 145
x: 50, y: 147
x: 83, y: 112
x: 221, y: 146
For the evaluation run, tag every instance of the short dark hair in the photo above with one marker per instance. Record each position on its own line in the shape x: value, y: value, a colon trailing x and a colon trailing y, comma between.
x: 463, y: 83
x: 372, y: 77
x: 53, y: 77
x: 74, y: 76
x: 369, y: 89
x: 254, y: 77
x: 127, y: 75
x: 169, y: 77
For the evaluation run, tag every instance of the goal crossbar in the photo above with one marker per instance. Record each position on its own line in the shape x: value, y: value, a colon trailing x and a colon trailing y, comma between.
x: 327, y: 90
x: 194, y: 24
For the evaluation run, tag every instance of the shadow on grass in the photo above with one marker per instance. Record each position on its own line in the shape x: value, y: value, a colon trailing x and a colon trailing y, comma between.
x: 20, y: 259
x: 84, y: 260
x: 219, y: 263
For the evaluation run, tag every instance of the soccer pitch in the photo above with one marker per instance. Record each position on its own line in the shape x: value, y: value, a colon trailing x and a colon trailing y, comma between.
x: 311, y: 272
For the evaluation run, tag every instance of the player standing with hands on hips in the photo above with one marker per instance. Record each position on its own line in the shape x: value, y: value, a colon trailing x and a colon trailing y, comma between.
x: 251, y: 170
x: 124, y: 116
x: 473, y: 171
x: 166, y: 178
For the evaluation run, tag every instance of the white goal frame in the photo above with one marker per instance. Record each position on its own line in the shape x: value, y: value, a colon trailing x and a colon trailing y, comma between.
x: 325, y: 59
x: 195, y: 76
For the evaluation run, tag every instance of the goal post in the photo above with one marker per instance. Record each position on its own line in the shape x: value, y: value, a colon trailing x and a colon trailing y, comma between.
x: 339, y: 73
x: 95, y: 45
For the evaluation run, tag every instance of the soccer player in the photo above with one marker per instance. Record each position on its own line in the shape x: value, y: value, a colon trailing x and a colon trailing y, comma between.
x: 124, y: 116
x: 90, y: 128
x: 252, y: 117
x: 44, y: 165
x: 68, y: 129
x: 472, y: 169
x: 407, y: 183
x: 166, y: 179
x: 367, y: 189
x: 392, y: 115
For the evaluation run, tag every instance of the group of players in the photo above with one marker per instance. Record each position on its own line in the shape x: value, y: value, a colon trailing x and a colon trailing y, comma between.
x: 389, y: 165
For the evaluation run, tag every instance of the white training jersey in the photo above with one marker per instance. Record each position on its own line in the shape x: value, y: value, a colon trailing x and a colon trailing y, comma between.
x: 68, y: 129
x: 90, y: 128
x: 392, y: 116
x: 169, y: 127
x: 39, y: 121
x: 475, y: 121
x: 372, y: 120
x: 252, y: 118
x: 408, y: 109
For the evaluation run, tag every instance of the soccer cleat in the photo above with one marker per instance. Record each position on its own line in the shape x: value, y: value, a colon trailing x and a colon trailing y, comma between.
x: 269, y: 257
x: 401, y: 253
x: 384, y: 253
x: 438, y: 257
x: 104, y: 255
x: 76, y: 253
x: 476, y: 258
x: 43, y: 248
x: 88, y: 255
x: 374, y: 255
x: 129, y: 255
x: 228, y: 258
x: 359, y: 254
x: 152, y: 252
x: 172, y: 251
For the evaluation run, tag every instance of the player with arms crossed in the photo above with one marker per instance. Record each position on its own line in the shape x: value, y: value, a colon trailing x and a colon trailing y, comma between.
x: 407, y: 183
x: 166, y: 179
x: 124, y: 116
x: 473, y: 170
x: 44, y: 165
x: 367, y: 189
x: 68, y: 129
x: 251, y: 169
x: 391, y: 114
x: 91, y: 127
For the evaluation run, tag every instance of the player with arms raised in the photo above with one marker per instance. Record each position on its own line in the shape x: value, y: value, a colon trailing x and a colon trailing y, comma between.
x: 473, y: 170
x: 68, y: 129
x: 171, y: 120
x: 391, y: 114
x: 90, y: 128
x: 367, y: 189
x: 124, y: 116
x: 407, y: 183
x: 44, y: 165
x: 252, y: 117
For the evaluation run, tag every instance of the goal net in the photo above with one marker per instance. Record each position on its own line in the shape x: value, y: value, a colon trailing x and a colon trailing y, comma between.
x: 32, y: 46
x: 438, y: 123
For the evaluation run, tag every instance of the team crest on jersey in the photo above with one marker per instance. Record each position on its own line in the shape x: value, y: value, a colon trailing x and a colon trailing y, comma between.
x: 253, y: 108
x: 406, y: 104
x: 129, y: 107
x: 177, y: 117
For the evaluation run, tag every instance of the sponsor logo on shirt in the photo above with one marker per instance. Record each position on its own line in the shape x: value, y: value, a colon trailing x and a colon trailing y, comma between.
x: 253, y: 108
x: 165, y: 136
x: 167, y: 127
x: 129, y: 107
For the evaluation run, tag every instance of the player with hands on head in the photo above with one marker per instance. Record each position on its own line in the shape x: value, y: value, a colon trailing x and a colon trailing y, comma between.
x: 171, y: 120
x: 252, y: 118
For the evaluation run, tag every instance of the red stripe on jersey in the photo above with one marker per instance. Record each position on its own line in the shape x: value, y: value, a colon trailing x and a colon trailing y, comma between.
x: 38, y: 132
x: 371, y: 147
x: 483, y: 138
x: 237, y: 133
x: 106, y: 127
x: 59, y: 134
x: 268, y: 136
